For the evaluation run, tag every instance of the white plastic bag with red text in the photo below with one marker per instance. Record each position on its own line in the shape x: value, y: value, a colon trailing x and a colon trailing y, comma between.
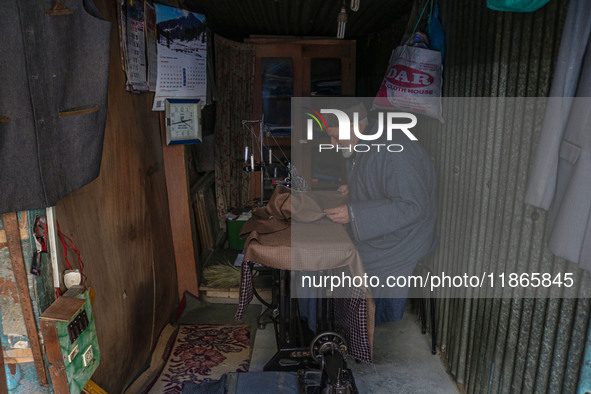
x: 412, y: 82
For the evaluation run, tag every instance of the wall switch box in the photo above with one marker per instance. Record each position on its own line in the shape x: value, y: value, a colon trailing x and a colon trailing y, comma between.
x: 73, y: 353
x: 87, y: 357
x: 70, y: 341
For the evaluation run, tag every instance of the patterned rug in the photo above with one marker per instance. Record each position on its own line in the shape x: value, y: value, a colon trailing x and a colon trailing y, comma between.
x: 204, y: 351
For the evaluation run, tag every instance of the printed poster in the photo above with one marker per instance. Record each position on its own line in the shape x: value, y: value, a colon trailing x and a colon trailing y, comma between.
x: 182, y: 55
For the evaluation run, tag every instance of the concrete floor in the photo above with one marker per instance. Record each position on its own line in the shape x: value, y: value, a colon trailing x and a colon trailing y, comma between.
x: 403, y: 362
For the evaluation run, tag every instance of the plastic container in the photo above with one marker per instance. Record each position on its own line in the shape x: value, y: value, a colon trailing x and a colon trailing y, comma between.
x: 234, y: 227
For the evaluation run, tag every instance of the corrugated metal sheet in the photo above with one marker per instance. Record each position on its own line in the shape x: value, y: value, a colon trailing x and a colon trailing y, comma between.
x: 237, y: 19
x: 499, y: 345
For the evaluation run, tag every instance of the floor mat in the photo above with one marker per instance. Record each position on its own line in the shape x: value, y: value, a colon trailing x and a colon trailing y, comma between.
x: 204, y: 351
x: 195, y: 311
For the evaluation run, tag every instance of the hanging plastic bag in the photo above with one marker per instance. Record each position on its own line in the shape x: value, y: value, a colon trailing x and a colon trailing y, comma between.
x: 516, y: 5
x: 412, y: 82
x: 435, y: 32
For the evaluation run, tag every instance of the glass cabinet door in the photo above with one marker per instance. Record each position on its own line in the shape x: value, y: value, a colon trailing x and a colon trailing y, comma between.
x: 287, y: 68
x: 277, y: 90
x: 325, y: 77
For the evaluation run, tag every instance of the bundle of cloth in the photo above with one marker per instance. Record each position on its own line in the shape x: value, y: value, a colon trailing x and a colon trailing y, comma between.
x: 292, y: 233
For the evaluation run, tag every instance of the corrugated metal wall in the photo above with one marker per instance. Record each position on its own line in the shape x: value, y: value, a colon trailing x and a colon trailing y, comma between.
x: 499, y: 345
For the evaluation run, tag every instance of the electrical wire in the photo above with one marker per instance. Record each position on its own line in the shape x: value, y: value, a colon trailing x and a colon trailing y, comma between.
x: 73, y: 247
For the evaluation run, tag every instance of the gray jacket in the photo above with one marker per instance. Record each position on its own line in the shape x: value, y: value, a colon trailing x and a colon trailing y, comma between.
x: 560, y: 178
x: 54, y: 68
x: 393, y: 206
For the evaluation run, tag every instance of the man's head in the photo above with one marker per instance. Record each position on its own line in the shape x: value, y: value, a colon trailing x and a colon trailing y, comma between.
x: 350, y: 106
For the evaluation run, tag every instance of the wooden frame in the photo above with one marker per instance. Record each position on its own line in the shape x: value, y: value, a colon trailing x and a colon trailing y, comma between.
x: 177, y: 184
x: 11, y: 226
x: 301, y: 51
x: 204, y: 206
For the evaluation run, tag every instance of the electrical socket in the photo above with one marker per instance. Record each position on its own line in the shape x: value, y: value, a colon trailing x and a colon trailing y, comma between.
x: 72, y: 278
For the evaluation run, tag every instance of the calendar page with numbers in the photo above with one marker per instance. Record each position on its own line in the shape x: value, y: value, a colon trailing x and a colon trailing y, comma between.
x: 136, y: 54
x: 182, y: 55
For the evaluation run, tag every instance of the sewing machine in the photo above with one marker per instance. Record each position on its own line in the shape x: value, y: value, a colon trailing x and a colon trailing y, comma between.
x: 309, y: 243
x: 321, y: 366
x: 333, y: 377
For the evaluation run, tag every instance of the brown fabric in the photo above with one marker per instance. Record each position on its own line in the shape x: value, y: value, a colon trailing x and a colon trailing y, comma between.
x: 306, y: 206
x: 263, y: 223
x: 310, y: 206
x: 279, y: 204
x: 312, y: 245
x: 321, y: 245
x: 278, y: 242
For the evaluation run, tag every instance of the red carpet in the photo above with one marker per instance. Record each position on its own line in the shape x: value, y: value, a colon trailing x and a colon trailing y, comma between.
x: 204, y: 351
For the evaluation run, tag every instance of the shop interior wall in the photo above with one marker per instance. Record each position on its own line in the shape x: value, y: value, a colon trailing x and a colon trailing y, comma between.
x: 120, y: 224
x: 508, y: 345
x: 495, y: 345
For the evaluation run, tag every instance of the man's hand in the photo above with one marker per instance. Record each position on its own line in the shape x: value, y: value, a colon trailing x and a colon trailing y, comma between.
x: 344, y: 189
x: 339, y: 214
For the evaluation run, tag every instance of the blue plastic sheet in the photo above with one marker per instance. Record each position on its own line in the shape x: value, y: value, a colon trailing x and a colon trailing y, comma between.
x: 516, y: 5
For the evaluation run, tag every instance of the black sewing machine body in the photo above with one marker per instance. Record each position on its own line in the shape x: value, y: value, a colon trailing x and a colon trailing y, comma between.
x: 321, y: 366
x: 333, y: 376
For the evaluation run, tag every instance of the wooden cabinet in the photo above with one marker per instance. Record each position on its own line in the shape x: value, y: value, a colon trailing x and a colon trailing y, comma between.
x: 287, y: 68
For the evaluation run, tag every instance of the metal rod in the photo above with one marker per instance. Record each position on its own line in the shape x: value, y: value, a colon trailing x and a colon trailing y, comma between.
x: 262, y: 158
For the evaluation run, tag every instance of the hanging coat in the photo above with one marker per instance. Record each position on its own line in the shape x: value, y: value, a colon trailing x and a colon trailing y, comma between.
x: 53, y: 100
x: 560, y: 177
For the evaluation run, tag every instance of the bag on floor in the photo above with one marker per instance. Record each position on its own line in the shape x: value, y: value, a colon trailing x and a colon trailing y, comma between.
x: 412, y: 82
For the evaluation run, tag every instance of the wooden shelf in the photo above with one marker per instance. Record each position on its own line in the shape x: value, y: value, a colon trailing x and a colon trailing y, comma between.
x: 277, y: 97
x: 277, y: 141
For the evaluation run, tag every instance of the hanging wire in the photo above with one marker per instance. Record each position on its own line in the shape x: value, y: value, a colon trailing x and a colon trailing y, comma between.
x: 72, y: 247
x: 419, y: 20
x: 355, y: 5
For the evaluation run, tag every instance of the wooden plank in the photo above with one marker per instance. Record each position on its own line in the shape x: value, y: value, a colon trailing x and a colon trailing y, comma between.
x: 204, y: 225
x: 93, y: 388
x: 3, y: 381
x: 120, y: 222
x: 177, y: 184
x: 204, y: 182
x: 57, y: 369
x: 348, y: 71
x: 63, y: 309
x: 277, y: 141
x: 20, y: 276
x: 338, y: 49
x: 200, y: 225
x: 18, y: 356
x: 232, y: 292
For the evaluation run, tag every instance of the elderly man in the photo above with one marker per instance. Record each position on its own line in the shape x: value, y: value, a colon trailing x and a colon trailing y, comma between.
x: 392, y: 209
